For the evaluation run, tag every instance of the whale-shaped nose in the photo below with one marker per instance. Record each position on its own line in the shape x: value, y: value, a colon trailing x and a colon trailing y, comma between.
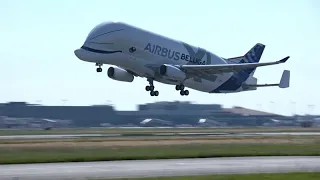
x: 81, y: 54
x: 77, y: 53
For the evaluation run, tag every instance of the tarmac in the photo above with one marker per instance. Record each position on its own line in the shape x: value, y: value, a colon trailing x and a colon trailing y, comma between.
x: 156, y: 168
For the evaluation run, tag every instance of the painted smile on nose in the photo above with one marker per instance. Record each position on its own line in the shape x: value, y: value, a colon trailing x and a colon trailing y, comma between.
x: 99, y: 51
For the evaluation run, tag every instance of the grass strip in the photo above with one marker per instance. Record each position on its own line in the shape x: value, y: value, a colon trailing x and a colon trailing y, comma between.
x: 268, y: 176
x: 159, y: 138
x: 15, y: 155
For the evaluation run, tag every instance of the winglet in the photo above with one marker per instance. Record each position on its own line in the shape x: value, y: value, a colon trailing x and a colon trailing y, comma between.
x: 284, y: 59
x: 285, y: 79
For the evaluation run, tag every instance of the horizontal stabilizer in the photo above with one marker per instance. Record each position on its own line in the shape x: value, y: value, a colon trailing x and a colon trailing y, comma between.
x: 285, y: 79
x: 284, y: 82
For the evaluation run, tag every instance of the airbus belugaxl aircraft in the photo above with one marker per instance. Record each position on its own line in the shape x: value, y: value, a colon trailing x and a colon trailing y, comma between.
x: 135, y: 52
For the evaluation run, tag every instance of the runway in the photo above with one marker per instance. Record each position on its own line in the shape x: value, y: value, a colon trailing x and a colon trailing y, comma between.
x: 153, y: 168
x: 74, y: 136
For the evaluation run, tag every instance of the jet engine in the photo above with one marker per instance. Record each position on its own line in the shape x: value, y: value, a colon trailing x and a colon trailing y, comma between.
x: 120, y: 74
x: 172, y: 72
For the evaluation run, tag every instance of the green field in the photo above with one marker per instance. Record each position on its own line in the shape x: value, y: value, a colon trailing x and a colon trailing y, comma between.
x: 38, y: 154
x: 139, y: 139
x: 152, y: 130
x: 280, y: 176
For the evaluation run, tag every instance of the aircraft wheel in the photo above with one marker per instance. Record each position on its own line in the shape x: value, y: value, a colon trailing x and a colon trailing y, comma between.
x: 151, y: 88
x: 181, y: 93
x: 186, y: 92
x: 156, y: 93
x: 177, y: 87
x: 99, y: 69
x: 147, y: 88
x: 152, y: 93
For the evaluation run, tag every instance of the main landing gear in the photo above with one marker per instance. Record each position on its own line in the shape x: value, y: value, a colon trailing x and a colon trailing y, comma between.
x: 182, y: 91
x: 151, y: 88
x: 180, y: 88
x: 99, y: 69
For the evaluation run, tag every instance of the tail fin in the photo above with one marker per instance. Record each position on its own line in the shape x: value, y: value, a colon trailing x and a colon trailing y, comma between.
x: 254, y: 55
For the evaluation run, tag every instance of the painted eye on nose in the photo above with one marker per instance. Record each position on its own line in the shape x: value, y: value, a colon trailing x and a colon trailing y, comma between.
x: 132, y: 49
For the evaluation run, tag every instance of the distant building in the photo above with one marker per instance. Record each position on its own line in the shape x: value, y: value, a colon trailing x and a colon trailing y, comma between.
x: 80, y: 115
x: 176, y: 113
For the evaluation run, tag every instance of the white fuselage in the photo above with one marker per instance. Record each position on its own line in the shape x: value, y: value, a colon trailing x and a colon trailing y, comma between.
x: 138, y: 50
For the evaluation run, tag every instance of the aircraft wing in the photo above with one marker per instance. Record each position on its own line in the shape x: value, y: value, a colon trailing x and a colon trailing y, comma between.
x: 225, y: 68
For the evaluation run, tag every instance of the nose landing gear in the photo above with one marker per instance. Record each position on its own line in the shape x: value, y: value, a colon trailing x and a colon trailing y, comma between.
x: 99, y: 69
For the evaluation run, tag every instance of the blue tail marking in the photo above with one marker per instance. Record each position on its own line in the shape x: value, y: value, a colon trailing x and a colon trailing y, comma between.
x: 254, y: 55
x: 236, y: 80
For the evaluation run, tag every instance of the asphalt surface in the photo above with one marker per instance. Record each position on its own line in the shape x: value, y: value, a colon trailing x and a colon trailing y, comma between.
x: 153, y: 168
x: 74, y: 136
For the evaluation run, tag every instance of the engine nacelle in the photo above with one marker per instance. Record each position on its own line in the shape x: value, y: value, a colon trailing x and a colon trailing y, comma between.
x: 172, y: 72
x: 120, y: 74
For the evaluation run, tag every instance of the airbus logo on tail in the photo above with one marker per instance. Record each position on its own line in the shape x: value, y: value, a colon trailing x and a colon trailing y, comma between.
x: 171, y: 54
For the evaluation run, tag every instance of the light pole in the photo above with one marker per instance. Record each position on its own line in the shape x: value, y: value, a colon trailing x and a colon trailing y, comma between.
x: 293, y: 103
x: 259, y: 107
x: 310, y: 109
x: 38, y: 102
x: 64, y: 101
x: 271, y: 107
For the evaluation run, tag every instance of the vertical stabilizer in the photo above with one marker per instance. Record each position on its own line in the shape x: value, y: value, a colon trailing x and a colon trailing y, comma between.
x: 252, y: 56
